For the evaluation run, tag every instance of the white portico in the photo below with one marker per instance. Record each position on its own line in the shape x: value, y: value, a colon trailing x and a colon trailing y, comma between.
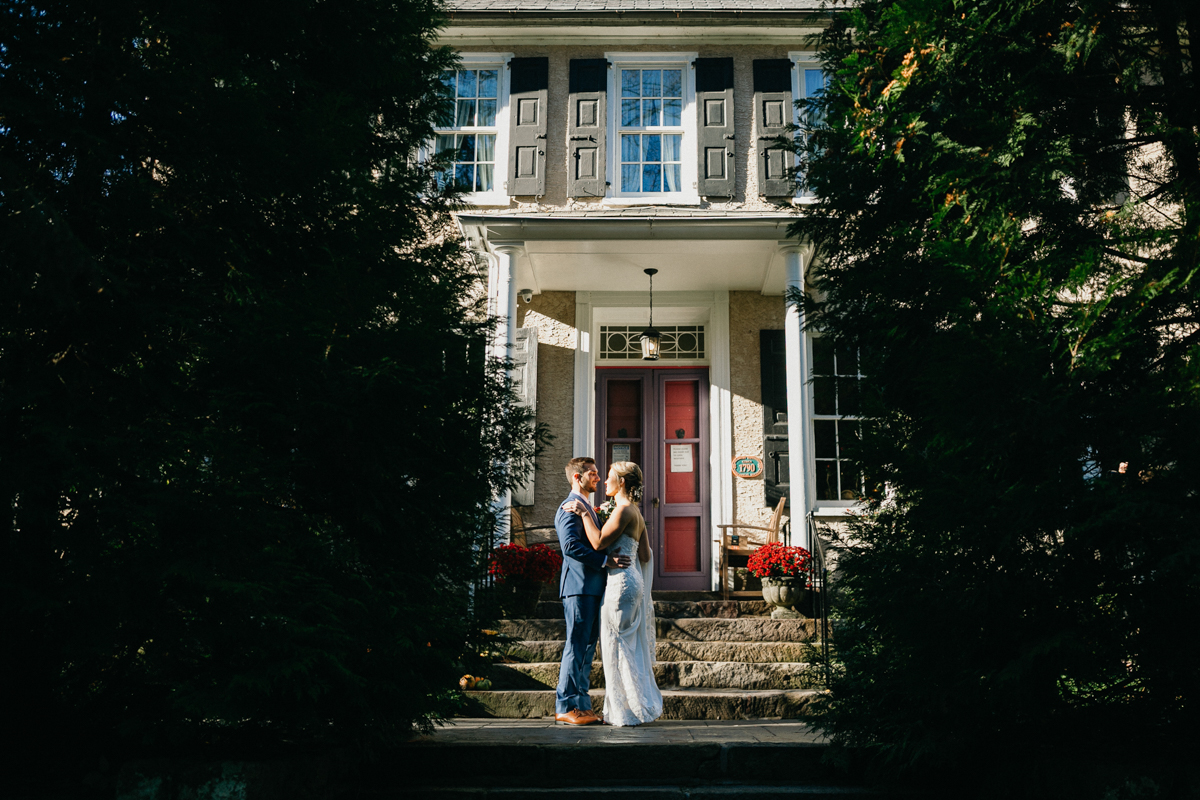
x: 598, y: 258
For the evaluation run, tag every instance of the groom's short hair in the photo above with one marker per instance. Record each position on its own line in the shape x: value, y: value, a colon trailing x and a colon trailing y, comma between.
x: 579, y: 466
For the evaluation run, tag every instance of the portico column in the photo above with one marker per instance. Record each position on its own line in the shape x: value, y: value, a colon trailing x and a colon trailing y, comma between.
x: 502, y: 304
x: 796, y: 355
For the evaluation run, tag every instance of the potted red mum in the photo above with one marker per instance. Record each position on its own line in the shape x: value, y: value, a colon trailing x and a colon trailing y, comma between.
x: 519, y: 573
x: 784, y: 571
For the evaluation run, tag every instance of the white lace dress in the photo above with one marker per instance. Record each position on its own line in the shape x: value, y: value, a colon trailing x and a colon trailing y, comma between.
x: 631, y: 697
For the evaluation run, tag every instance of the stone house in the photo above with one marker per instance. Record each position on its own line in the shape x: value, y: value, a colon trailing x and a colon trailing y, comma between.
x: 602, y: 138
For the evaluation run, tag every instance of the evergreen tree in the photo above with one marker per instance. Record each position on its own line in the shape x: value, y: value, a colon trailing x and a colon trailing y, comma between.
x: 248, y: 437
x: 1008, y: 233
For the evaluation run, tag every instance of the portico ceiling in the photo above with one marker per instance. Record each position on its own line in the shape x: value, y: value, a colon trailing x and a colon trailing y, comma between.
x: 608, y: 250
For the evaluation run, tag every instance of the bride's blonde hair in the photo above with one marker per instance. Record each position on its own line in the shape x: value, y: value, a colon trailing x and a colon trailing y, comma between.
x: 631, y: 473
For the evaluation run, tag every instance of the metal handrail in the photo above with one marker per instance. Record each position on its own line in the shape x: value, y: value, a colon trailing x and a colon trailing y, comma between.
x: 818, y: 576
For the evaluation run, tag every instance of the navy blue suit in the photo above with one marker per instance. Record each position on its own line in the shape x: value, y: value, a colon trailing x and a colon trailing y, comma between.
x: 581, y: 587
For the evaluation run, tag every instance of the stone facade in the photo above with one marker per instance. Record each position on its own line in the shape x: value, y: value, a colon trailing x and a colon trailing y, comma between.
x: 746, y: 197
x: 553, y: 314
x: 749, y: 313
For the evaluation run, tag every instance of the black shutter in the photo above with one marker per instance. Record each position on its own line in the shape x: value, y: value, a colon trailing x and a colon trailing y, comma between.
x: 714, y: 125
x: 528, y: 84
x: 773, y: 361
x: 586, y: 127
x: 773, y: 109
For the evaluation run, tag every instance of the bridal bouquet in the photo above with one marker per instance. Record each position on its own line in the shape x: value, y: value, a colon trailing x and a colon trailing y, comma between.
x: 777, y: 560
x: 605, y: 510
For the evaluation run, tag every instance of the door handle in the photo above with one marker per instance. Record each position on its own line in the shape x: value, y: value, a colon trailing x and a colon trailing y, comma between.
x: 656, y: 502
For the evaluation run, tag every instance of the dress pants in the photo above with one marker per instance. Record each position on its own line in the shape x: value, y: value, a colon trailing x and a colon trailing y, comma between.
x: 583, y: 630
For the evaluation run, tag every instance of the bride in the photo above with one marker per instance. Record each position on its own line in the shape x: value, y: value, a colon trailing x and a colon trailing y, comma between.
x: 631, y: 696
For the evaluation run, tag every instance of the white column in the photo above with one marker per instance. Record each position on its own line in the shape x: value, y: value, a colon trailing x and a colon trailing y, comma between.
x: 502, y: 304
x: 585, y: 396
x: 799, y: 446
x: 721, y: 427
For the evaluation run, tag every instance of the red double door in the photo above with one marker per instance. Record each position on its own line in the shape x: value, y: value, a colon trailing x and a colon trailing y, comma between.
x: 658, y: 418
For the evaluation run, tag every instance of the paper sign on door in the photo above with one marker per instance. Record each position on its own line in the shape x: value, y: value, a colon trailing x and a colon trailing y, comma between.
x: 620, y: 452
x: 681, y: 458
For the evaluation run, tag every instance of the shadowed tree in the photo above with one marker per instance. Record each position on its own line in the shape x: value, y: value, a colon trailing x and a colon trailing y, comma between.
x: 1008, y: 235
x: 248, y: 438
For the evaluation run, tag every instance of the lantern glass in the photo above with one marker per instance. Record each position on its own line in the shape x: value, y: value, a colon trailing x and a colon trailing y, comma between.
x: 650, y: 342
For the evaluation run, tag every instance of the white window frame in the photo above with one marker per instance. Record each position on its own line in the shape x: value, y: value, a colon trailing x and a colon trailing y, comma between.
x: 801, y: 60
x: 825, y: 508
x: 689, y: 177
x: 498, y: 196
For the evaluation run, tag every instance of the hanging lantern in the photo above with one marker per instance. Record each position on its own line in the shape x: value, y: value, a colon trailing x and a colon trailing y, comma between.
x: 651, y: 339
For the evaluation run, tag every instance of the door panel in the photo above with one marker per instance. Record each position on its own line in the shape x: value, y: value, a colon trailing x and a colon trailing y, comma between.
x: 658, y: 418
x: 681, y: 543
x: 682, y: 487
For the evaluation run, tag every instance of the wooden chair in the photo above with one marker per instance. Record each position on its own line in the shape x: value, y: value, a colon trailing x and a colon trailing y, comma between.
x: 516, y: 528
x: 745, y: 547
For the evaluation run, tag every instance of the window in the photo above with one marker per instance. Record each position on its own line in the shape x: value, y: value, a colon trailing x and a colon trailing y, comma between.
x: 653, y: 150
x: 808, y: 82
x: 651, y: 100
x: 835, y: 391
x: 476, y: 132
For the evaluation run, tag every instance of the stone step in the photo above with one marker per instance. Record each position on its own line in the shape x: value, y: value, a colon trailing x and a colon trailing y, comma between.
x: 672, y: 674
x: 533, y: 651
x: 489, y: 754
x: 743, y: 629
x: 744, y: 791
x: 675, y: 609
x: 716, y: 704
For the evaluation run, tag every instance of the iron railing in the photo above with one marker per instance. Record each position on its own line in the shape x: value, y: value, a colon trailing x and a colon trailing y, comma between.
x: 818, y: 578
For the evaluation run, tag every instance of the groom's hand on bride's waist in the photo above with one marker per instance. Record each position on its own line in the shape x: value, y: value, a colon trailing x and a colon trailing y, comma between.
x: 617, y: 562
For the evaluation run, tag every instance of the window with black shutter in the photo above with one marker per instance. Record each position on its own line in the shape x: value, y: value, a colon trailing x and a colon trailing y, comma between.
x: 528, y: 87
x: 586, y: 126
x: 773, y: 114
x: 714, y: 127
x: 773, y: 364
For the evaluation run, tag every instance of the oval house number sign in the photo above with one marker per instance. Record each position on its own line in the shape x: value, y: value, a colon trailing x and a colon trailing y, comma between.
x: 747, y: 467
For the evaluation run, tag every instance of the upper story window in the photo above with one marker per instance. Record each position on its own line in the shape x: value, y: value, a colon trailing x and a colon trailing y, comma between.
x: 476, y: 128
x: 652, y: 151
x: 651, y: 130
x: 808, y: 83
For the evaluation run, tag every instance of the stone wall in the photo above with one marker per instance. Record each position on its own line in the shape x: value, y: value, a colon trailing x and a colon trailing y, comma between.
x: 749, y: 313
x: 553, y: 314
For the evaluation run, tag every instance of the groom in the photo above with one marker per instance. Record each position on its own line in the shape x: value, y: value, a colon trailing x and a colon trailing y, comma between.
x: 581, y: 588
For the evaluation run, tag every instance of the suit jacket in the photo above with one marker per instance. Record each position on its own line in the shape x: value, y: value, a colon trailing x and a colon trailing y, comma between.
x: 583, y: 567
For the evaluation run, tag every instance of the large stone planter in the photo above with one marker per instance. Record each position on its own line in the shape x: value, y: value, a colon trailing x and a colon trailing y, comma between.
x: 784, y: 593
x: 518, y: 599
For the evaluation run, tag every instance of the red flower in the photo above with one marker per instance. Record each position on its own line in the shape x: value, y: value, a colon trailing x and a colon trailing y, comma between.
x: 512, y: 563
x: 777, y: 560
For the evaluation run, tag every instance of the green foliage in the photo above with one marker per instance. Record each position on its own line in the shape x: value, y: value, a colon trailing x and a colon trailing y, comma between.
x: 248, y: 436
x: 1008, y: 232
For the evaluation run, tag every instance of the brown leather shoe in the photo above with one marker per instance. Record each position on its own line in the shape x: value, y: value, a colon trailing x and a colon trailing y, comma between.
x: 591, y: 717
x: 573, y: 717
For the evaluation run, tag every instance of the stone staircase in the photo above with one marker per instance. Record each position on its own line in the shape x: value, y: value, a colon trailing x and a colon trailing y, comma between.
x: 717, y: 660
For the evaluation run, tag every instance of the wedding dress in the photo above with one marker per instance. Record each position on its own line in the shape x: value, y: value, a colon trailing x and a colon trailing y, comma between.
x: 627, y: 639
